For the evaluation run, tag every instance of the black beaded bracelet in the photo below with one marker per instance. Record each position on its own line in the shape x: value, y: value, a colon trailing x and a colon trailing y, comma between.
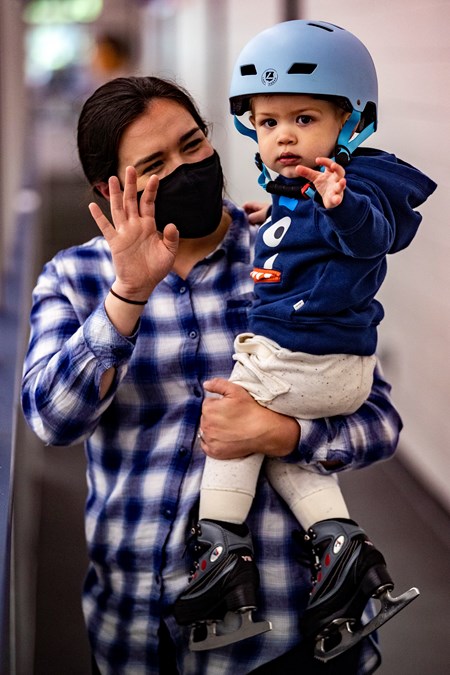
x: 130, y: 302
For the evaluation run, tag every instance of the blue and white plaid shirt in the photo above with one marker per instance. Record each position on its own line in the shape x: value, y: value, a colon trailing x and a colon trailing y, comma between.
x: 144, y: 462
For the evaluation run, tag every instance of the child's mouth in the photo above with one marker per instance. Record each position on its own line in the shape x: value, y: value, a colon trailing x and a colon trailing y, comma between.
x: 288, y: 159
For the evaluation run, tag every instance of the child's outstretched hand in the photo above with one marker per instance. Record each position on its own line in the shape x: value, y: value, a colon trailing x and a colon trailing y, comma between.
x: 330, y: 183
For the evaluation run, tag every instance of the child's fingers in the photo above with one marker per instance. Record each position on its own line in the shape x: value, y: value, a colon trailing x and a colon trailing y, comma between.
x: 331, y: 165
x: 306, y: 172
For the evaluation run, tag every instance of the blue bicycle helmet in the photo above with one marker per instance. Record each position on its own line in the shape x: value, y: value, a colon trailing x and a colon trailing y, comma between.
x: 314, y: 58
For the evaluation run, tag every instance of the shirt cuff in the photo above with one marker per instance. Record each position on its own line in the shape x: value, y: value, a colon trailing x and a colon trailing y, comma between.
x: 314, y: 447
x: 110, y: 348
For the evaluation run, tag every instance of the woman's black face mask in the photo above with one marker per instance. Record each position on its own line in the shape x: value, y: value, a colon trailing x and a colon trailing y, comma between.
x: 191, y: 198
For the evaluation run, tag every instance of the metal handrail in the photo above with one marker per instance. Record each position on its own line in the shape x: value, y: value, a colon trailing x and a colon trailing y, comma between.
x: 13, y: 329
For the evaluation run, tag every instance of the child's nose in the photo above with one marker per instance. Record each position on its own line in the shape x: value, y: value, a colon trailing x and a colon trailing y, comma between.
x: 286, y: 135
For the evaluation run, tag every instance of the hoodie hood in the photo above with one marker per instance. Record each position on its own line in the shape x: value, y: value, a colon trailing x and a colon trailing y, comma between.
x: 404, y: 187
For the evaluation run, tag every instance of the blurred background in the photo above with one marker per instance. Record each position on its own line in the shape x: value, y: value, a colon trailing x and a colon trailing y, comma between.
x: 53, y: 54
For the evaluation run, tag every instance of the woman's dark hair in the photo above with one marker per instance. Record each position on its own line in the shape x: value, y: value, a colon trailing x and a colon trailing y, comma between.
x: 111, y: 109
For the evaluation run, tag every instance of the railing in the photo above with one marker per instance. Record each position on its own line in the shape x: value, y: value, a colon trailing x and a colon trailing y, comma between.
x: 13, y: 330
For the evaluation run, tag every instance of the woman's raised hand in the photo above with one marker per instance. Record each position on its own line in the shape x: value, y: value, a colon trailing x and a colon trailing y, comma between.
x: 142, y: 255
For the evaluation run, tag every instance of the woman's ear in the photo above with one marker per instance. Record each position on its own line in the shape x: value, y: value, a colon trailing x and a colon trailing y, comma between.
x: 102, y: 189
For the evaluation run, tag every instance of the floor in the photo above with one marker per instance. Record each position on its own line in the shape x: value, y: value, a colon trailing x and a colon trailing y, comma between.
x: 401, y: 518
x: 413, y: 533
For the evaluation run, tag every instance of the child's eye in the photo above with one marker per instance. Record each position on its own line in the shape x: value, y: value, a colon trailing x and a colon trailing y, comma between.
x: 304, y: 119
x: 269, y: 123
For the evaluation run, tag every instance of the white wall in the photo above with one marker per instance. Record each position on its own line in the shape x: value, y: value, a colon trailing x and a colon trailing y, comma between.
x: 409, y: 44
x: 199, y: 43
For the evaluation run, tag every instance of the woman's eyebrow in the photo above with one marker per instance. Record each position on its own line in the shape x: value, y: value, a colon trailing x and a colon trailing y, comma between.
x: 188, y: 134
x: 158, y: 153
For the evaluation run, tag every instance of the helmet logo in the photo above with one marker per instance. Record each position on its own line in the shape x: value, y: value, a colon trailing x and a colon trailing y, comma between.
x: 269, y: 77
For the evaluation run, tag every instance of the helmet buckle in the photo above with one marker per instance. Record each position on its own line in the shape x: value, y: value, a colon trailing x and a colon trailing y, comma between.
x: 342, y: 155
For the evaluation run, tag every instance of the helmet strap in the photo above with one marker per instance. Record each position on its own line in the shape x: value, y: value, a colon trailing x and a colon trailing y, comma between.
x: 264, y: 176
x: 346, y: 145
x: 244, y: 130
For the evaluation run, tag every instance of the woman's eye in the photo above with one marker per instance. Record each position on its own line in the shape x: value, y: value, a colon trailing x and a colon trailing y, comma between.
x: 152, y: 168
x: 193, y: 145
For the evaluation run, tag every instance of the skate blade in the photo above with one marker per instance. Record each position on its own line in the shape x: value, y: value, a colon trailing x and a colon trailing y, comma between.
x: 213, y: 640
x: 342, y: 628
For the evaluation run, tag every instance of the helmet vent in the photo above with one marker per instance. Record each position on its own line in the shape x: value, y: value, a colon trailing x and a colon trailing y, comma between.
x: 302, y: 68
x: 330, y: 29
x: 250, y: 69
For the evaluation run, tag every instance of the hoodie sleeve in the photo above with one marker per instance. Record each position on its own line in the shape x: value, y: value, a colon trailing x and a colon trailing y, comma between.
x: 362, y: 226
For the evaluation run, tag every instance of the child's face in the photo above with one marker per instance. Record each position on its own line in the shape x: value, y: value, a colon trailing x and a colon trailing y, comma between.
x: 295, y: 129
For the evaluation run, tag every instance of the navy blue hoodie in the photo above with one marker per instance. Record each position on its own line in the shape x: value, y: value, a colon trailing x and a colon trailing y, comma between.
x: 317, y: 270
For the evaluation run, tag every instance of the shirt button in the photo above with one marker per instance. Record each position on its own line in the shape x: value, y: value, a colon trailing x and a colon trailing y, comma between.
x: 183, y: 289
x: 198, y: 392
x: 182, y: 451
x: 193, y: 334
x: 168, y: 513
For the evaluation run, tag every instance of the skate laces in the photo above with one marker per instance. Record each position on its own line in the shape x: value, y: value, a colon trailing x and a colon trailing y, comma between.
x: 194, y: 549
x: 316, y: 552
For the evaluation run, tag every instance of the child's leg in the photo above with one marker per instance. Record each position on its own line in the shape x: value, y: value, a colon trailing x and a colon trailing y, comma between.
x: 347, y: 568
x: 311, y: 496
x: 228, y: 488
x: 225, y: 577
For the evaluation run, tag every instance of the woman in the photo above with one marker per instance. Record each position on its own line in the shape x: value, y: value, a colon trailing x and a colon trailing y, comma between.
x: 125, y: 330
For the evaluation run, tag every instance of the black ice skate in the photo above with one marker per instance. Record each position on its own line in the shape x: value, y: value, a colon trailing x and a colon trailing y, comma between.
x: 347, y: 571
x: 222, y: 589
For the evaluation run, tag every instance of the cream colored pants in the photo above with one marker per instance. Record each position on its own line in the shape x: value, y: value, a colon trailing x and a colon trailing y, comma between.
x: 299, y: 385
